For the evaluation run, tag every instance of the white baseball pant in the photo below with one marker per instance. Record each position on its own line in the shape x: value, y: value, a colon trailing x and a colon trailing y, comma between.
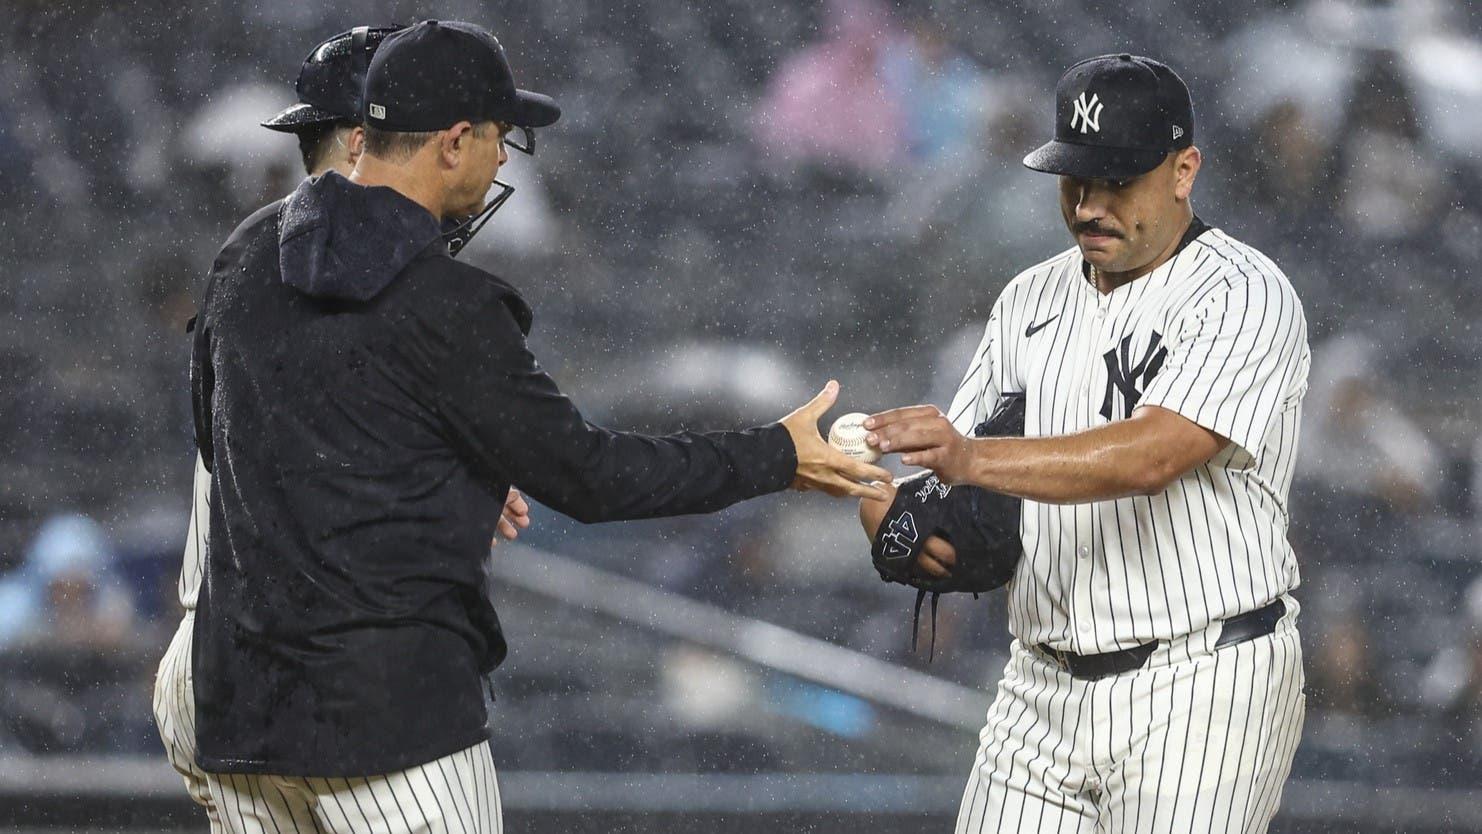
x: 1197, y: 740
x: 456, y: 794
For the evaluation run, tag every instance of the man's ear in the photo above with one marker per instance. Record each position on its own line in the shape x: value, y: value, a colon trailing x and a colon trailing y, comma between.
x: 355, y: 144
x: 1185, y: 170
x: 454, y: 141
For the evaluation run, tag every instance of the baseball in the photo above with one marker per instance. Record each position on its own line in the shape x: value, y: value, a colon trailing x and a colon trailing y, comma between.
x: 848, y: 436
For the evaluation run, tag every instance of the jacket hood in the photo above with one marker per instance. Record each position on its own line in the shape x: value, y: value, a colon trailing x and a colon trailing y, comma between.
x: 345, y: 241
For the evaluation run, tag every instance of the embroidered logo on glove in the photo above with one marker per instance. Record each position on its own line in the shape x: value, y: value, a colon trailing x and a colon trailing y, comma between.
x: 933, y: 484
x: 900, y: 536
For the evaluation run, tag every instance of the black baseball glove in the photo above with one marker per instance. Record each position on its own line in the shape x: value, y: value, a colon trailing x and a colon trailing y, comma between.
x: 982, y: 526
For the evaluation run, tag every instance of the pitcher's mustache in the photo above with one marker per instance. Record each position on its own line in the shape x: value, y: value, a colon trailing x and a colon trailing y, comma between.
x: 1093, y: 228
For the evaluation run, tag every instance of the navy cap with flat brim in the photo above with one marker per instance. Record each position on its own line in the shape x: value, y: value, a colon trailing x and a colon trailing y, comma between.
x: 1093, y: 161
x: 434, y: 74
x: 299, y: 116
x: 1116, y: 117
x: 533, y: 110
x: 331, y: 80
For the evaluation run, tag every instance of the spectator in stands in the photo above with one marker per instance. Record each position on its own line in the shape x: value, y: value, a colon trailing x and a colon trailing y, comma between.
x: 829, y: 102
x: 66, y: 592
x: 1343, y: 672
x: 975, y: 211
x: 1391, y: 183
x: 222, y: 142
x: 1283, y: 164
x: 1452, y: 682
x: 941, y: 92
x: 1357, y: 439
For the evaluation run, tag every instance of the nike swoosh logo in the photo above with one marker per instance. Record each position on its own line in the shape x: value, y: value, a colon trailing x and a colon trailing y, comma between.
x: 1035, y: 328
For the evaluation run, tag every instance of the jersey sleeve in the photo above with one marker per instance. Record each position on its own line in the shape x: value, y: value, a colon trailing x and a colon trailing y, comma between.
x: 1235, y: 360
x: 980, y: 389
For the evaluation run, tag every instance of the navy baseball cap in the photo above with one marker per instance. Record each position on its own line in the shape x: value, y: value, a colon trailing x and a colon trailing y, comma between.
x: 1116, y: 116
x: 332, y: 79
x: 434, y: 74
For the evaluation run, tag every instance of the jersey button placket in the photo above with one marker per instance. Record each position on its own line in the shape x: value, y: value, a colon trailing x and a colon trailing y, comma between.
x: 1085, y: 607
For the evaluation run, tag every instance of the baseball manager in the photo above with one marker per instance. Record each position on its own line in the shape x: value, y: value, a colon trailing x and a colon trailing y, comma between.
x: 364, y: 402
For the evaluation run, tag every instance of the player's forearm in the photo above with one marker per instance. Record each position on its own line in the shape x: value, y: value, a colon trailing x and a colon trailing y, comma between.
x: 1101, y: 464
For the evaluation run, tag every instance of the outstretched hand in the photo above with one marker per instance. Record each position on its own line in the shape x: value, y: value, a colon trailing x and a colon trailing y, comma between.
x: 924, y: 437
x: 821, y: 466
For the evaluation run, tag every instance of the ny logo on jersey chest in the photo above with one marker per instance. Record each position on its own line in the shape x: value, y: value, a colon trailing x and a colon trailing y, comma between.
x: 1128, y: 379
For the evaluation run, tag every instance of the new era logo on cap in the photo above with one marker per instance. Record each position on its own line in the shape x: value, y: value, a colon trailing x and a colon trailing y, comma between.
x: 1178, y: 132
x: 377, y: 111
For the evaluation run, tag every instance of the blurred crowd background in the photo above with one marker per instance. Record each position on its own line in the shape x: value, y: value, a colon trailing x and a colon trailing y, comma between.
x: 742, y: 200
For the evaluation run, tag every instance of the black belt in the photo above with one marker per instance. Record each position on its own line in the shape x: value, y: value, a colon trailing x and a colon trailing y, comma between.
x: 1237, y: 629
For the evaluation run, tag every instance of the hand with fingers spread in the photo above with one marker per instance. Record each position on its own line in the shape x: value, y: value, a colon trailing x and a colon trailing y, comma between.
x: 924, y: 437
x: 516, y: 516
x: 821, y: 466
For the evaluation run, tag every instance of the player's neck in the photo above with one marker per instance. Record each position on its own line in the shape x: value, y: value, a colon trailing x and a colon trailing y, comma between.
x: 408, y: 180
x: 1105, y: 282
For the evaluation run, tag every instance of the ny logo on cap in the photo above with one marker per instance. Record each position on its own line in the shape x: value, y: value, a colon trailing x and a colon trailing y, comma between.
x: 377, y: 111
x: 1087, y: 114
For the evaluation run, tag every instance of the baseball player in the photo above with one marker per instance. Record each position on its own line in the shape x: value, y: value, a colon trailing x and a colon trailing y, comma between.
x: 326, y: 118
x: 1155, y: 678
x: 363, y: 402
x: 330, y: 137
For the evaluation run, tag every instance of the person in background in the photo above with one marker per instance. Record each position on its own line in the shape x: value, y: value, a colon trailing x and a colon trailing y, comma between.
x: 1452, y: 682
x: 829, y: 102
x: 66, y: 591
x: 1357, y: 438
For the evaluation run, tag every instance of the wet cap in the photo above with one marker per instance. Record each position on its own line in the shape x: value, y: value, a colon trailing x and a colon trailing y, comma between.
x: 1116, y: 116
x: 434, y: 74
x: 331, y: 80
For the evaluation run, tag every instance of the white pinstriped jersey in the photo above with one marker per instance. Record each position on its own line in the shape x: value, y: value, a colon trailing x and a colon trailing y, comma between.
x: 1217, y: 335
x: 193, y: 563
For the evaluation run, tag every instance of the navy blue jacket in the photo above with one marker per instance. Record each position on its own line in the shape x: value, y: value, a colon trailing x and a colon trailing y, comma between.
x: 364, y: 402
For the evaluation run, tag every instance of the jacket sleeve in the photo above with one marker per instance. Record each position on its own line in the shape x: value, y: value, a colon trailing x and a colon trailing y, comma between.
x: 507, y: 414
x: 202, y: 382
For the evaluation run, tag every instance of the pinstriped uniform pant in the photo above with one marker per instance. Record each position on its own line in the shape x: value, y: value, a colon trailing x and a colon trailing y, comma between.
x: 175, y: 717
x: 1198, y: 740
x: 457, y: 794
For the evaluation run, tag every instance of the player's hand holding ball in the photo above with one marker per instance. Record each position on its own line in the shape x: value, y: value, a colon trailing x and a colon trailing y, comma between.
x: 821, y: 466
x: 924, y: 437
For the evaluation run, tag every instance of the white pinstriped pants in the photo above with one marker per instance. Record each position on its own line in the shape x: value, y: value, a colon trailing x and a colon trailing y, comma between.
x: 1197, y: 740
x: 457, y: 794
